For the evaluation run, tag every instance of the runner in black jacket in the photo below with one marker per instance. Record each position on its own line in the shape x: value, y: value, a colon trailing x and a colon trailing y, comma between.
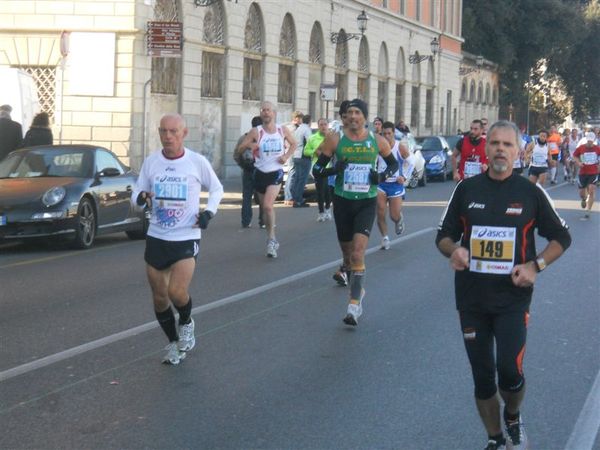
x: 494, y: 215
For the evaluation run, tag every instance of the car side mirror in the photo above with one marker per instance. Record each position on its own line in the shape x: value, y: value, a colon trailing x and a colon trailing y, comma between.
x: 109, y: 172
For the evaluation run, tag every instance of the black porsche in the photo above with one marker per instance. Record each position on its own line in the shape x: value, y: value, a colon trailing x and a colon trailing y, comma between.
x: 71, y: 191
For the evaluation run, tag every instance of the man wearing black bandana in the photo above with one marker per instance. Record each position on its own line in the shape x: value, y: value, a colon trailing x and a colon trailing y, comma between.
x: 355, y: 195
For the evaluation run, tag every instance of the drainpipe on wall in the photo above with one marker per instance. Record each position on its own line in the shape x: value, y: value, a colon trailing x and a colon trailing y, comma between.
x: 144, y: 131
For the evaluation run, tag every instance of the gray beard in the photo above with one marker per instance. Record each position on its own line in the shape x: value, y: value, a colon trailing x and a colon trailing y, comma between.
x: 499, y: 167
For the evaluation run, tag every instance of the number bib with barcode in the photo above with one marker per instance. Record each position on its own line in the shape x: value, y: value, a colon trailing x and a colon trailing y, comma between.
x: 589, y: 158
x: 492, y: 249
x: 170, y: 192
x: 472, y: 168
x: 270, y: 145
x: 356, y: 178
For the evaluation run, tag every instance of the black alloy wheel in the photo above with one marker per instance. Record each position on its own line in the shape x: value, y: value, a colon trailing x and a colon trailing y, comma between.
x: 85, y: 232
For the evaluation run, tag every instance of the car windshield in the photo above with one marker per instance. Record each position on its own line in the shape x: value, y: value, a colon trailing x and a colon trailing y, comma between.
x: 45, y: 163
x: 430, y: 144
x: 452, y: 140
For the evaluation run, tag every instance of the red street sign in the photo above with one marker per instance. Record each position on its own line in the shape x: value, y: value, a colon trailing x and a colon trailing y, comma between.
x: 164, y: 39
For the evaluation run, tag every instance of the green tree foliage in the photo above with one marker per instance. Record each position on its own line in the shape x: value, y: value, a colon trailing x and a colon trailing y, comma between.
x: 577, y: 63
x: 528, y: 38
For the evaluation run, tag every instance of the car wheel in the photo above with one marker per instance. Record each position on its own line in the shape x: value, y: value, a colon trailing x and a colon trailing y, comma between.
x: 414, y: 181
x: 445, y: 173
x: 423, y: 179
x: 85, y: 232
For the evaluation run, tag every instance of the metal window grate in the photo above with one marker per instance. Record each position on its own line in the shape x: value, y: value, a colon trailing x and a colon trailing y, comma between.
x: 45, y: 81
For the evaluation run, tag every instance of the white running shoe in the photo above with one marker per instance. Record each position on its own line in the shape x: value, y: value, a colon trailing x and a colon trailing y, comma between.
x: 385, y: 243
x: 173, y: 356
x: 354, y: 311
x: 328, y: 215
x: 516, y: 438
x: 187, y: 340
x: 272, y: 247
x: 400, y: 225
x: 321, y: 217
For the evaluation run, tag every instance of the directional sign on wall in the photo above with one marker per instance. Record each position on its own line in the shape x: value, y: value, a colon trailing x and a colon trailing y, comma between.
x: 164, y: 39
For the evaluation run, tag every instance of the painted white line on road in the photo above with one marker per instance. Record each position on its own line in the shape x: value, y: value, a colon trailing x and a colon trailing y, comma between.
x: 66, y: 354
x: 587, y: 425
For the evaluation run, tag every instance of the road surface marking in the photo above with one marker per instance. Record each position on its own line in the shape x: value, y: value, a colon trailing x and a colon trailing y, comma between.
x: 80, y: 349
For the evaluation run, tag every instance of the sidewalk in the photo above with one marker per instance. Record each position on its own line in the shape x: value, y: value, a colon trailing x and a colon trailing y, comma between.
x: 233, y: 191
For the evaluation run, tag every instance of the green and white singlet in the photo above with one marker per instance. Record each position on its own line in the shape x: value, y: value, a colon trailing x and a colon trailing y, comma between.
x: 355, y: 183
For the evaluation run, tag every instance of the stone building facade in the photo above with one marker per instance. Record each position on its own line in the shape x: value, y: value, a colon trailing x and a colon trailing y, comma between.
x: 99, y: 84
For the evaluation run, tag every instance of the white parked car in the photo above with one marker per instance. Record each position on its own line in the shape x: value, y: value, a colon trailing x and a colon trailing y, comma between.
x: 419, y: 176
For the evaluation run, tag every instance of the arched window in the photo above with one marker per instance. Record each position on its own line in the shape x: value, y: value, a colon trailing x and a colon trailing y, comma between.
x: 480, y: 93
x: 363, y: 70
x: 495, y: 96
x: 415, y: 101
x: 472, y: 92
x: 429, y: 94
x: 400, y: 85
x: 316, y: 56
x: 341, y: 68
x: 253, y: 58
x: 315, y: 49
x: 487, y: 94
x: 213, y: 61
x: 287, y: 50
x: 382, y: 82
x: 463, y: 91
x: 165, y: 71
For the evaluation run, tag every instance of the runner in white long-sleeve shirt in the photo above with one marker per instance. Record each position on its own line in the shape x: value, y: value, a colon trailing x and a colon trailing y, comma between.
x: 169, y: 185
x: 392, y: 190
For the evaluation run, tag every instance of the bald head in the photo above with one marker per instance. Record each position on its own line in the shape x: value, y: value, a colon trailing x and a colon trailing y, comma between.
x: 172, y: 131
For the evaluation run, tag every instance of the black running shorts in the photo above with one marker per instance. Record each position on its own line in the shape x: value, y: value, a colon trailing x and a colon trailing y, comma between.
x: 537, y: 171
x: 262, y: 180
x: 353, y: 216
x: 585, y: 180
x: 163, y: 254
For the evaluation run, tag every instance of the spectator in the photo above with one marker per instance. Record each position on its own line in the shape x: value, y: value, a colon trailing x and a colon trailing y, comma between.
x: 39, y: 133
x: 11, y: 132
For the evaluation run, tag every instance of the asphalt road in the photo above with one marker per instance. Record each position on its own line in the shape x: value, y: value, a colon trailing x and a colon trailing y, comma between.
x: 274, y: 366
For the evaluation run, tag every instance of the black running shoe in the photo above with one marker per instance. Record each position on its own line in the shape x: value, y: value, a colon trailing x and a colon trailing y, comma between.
x: 341, y: 276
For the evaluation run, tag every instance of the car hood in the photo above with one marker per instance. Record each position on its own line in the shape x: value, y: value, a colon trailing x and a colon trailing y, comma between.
x: 15, y: 191
x: 428, y: 154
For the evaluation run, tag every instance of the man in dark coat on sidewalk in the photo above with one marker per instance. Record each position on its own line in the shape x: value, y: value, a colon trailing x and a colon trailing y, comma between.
x: 11, y: 132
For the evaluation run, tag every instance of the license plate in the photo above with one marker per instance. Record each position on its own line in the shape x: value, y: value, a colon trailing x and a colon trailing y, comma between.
x: 2, y: 220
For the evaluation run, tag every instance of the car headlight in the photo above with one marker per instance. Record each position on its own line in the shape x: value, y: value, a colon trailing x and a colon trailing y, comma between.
x: 437, y: 159
x: 54, y: 196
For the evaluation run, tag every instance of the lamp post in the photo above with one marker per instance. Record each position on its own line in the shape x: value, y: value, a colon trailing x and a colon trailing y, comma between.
x: 361, y: 22
x: 435, y: 48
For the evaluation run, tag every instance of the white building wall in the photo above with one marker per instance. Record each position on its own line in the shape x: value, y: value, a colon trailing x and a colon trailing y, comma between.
x: 31, y: 31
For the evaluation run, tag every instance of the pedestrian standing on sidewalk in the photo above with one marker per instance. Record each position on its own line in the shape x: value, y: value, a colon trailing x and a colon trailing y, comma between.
x: 245, y: 159
x: 169, y: 184
x: 311, y: 150
x: 494, y: 215
x: 302, y: 164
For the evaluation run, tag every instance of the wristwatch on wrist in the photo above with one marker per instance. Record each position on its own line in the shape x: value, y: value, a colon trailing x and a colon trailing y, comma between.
x: 540, y: 264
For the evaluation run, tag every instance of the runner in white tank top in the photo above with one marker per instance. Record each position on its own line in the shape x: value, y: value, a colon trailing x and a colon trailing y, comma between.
x: 538, y: 155
x: 270, y: 154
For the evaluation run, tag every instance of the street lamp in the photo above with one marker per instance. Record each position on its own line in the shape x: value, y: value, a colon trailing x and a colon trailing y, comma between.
x: 466, y: 70
x: 435, y: 48
x: 361, y: 21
